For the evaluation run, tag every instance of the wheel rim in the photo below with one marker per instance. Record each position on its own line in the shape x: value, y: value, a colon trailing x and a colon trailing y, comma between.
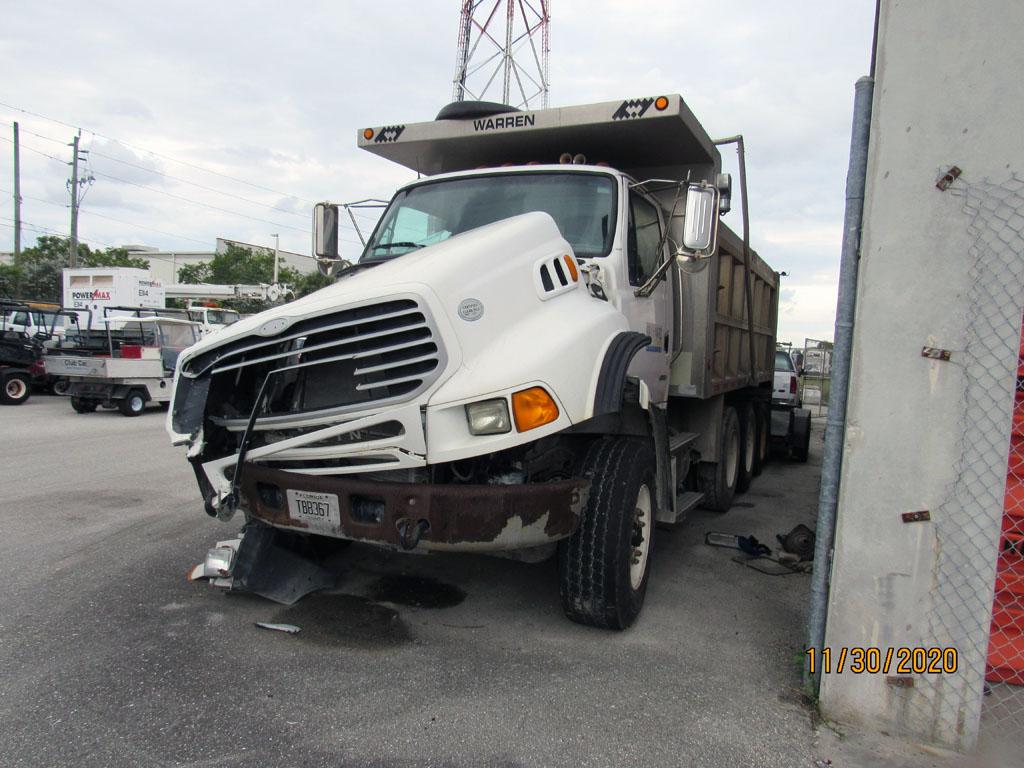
x: 15, y: 388
x: 135, y: 403
x: 640, y: 539
x: 732, y: 458
x: 61, y: 387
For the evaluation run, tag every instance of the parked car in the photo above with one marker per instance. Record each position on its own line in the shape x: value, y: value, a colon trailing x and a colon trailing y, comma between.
x: 785, y: 390
x: 791, y: 422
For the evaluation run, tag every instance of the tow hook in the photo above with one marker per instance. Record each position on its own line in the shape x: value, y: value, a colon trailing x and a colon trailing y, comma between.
x: 410, y: 533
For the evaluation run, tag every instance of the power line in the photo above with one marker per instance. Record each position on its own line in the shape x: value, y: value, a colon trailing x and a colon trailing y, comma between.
x: 111, y: 218
x: 32, y: 149
x: 47, y: 231
x: 157, y: 154
x: 178, y: 179
x: 179, y: 197
x: 154, y: 171
x: 196, y: 202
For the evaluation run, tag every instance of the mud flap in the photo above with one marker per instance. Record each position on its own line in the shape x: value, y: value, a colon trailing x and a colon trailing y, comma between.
x: 267, y: 566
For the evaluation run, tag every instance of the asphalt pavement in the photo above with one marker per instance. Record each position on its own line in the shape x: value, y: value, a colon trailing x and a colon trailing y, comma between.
x: 110, y: 657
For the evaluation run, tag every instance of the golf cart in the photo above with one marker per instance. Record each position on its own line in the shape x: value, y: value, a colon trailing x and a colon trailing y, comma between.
x: 135, y: 368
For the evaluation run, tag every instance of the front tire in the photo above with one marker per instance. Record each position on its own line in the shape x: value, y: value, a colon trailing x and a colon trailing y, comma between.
x: 604, y: 567
x: 16, y: 388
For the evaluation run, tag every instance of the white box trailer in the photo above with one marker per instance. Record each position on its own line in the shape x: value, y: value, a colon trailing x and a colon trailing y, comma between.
x: 547, y: 345
x: 92, y: 290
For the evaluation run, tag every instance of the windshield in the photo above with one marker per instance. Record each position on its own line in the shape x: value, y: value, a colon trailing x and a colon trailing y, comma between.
x: 221, y: 317
x: 783, y: 362
x: 582, y: 205
x: 178, y: 335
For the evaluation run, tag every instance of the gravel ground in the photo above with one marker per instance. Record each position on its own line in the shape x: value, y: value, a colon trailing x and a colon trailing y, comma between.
x: 110, y: 657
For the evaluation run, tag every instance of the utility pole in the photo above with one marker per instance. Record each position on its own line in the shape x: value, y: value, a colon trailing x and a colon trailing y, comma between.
x: 73, y: 247
x: 17, y: 196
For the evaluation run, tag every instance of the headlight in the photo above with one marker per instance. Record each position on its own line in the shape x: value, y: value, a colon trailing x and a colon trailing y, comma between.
x: 488, y: 417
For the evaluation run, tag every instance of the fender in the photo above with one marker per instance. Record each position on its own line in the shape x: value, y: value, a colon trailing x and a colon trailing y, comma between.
x: 612, y: 377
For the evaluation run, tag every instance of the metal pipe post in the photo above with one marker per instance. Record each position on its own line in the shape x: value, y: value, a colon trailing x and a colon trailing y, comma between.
x: 835, y: 428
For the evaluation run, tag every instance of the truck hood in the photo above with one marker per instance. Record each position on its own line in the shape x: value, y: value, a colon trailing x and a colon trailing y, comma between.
x: 485, y: 263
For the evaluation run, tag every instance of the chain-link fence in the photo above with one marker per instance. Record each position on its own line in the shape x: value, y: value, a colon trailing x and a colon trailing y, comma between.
x: 981, y: 520
x: 815, y: 367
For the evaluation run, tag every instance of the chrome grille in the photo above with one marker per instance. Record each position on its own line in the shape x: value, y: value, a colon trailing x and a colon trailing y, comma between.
x: 356, y: 358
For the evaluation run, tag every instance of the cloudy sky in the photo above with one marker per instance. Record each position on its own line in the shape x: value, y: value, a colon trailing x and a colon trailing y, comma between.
x: 208, y: 120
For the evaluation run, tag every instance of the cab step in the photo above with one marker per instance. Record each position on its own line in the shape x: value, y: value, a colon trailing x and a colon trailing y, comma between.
x: 684, y: 503
x: 679, y: 441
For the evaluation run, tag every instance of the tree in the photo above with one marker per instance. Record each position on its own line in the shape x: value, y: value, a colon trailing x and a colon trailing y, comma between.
x: 314, y: 281
x: 36, y: 274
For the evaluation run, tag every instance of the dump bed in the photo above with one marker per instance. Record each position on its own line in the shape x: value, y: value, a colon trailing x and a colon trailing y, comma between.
x: 715, y: 353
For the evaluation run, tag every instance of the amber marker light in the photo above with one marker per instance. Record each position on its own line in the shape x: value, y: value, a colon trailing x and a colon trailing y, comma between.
x: 572, y: 267
x: 533, y: 408
x: 368, y: 133
x: 661, y: 103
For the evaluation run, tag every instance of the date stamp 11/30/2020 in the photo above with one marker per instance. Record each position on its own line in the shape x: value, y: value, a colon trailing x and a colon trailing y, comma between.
x: 898, y: 661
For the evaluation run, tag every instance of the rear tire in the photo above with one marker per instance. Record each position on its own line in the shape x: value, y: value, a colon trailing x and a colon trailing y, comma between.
x: 763, y: 438
x: 83, y: 406
x: 603, y: 567
x: 802, y: 451
x: 61, y: 386
x: 16, y: 389
x: 748, y: 446
x: 133, y: 404
x: 718, y: 480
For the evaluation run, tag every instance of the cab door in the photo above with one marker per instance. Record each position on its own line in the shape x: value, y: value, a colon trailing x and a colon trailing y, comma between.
x: 649, y: 315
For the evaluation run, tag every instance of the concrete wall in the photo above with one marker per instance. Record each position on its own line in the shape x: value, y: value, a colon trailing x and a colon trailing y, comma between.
x: 949, y: 91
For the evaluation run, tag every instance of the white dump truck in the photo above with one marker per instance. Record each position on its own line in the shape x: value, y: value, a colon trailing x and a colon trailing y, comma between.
x: 548, y: 346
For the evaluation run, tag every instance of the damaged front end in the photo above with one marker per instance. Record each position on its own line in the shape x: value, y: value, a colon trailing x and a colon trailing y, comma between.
x: 315, y: 426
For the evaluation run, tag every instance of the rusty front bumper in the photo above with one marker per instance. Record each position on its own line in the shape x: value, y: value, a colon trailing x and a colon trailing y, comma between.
x: 475, y: 518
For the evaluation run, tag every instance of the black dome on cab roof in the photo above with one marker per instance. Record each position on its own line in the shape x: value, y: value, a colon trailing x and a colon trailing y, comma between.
x: 468, y: 110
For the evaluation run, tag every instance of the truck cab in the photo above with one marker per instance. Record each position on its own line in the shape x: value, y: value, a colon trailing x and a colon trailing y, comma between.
x: 212, y: 319
x: 547, y: 345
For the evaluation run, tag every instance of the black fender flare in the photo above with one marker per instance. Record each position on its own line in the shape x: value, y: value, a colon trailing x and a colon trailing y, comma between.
x: 612, y: 377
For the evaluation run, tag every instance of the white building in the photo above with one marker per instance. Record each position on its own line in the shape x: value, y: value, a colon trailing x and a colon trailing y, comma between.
x: 164, y: 265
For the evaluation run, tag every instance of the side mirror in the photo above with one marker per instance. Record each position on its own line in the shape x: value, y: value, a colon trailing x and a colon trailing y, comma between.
x: 325, y: 231
x: 700, y: 225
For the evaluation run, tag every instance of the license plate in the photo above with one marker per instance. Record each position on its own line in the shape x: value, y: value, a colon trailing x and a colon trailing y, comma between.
x: 317, y: 510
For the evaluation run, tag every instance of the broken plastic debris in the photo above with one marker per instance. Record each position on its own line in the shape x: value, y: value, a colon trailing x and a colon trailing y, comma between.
x: 291, y: 629
x: 219, y: 562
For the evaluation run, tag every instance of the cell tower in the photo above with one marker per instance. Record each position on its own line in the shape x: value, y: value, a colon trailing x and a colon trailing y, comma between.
x: 503, y: 44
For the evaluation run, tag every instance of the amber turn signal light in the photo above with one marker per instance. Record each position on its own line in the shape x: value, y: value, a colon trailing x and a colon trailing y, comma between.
x: 368, y: 133
x: 661, y: 103
x: 572, y: 267
x: 533, y: 408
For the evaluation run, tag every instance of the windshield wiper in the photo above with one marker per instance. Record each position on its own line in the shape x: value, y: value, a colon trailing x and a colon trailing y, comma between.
x: 401, y: 244
x: 359, y: 265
